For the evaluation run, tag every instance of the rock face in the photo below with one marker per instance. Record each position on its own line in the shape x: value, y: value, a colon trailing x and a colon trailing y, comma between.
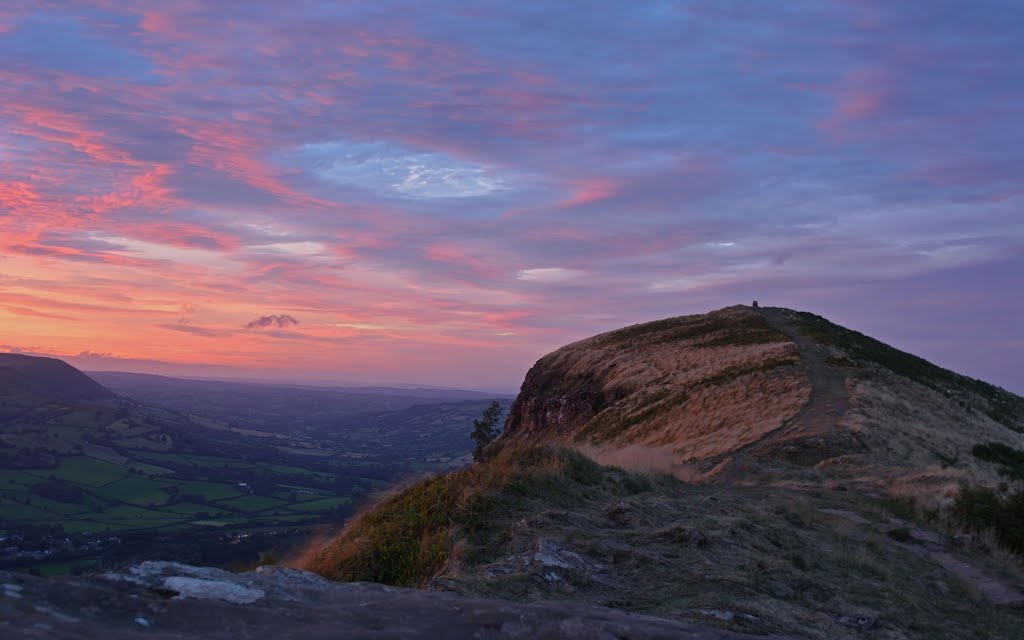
x: 164, y: 600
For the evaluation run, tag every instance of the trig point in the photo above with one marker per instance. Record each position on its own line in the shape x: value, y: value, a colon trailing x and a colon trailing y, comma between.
x: 755, y: 304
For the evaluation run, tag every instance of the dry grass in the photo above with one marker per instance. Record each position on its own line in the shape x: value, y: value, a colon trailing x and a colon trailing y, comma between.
x: 635, y: 457
x: 916, y: 437
x: 698, y: 387
x: 412, y: 534
x: 722, y: 418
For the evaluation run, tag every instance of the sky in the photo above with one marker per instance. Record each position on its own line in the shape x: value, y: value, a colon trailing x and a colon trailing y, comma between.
x: 442, y: 192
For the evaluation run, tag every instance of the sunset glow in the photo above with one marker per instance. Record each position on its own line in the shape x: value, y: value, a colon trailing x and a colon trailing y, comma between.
x: 440, y: 193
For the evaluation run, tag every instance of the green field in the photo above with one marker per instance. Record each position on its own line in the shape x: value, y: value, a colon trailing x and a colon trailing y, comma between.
x: 248, y: 504
x: 189, y: 509
x: 139, y: 491
x: 211, y: 491
x: 325, y: 504
x: 87, y: 471
x: 117, y: 497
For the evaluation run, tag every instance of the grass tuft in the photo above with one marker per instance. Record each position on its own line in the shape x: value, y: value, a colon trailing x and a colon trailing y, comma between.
x: 408, y: 537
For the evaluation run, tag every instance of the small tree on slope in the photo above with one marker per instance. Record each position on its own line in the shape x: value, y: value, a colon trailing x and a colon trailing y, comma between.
x: 485, y: 428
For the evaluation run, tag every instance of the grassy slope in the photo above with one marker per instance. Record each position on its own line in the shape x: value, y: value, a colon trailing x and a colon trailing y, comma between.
x: 999, y: 404
x: 682, y: 384
x: 408, y: 537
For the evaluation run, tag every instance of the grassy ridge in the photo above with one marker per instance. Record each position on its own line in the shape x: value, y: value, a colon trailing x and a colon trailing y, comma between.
x: 710, y: 330
x: 1000, y: 405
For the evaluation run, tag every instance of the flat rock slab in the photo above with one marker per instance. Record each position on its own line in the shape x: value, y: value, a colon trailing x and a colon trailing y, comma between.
x: 164, y: 600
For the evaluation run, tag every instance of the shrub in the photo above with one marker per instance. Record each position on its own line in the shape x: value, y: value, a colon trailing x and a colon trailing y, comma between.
x: 980, y: 508
x: 485, y: 428
x: 402, y: 540
x: 408, y: 537
x: 1010, y: 460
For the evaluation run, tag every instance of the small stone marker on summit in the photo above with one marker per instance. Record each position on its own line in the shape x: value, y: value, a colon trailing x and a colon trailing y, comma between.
x: 755, y: 304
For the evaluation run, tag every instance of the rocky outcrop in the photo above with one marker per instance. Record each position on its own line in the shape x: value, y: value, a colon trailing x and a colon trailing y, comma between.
x: 165, y: 600
x: 552, y: 402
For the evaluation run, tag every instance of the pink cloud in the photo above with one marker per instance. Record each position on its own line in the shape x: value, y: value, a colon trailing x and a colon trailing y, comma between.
x: 588, y: 191
x: 861, y: 95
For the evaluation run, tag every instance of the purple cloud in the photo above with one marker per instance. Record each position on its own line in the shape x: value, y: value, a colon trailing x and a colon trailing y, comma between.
x: 281, y: 321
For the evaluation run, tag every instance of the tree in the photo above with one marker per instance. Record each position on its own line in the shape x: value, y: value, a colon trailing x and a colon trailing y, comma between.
x: 485, y: 428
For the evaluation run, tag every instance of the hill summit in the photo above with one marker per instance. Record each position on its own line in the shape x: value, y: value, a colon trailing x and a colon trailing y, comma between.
x: 743, y: 392
x: 759, y: 469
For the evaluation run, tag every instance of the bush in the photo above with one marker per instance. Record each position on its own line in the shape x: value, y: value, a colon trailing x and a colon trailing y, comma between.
x: 1010, y: 460
x: 980, y: 508
x: 401, y: 541
x: 407, y: 538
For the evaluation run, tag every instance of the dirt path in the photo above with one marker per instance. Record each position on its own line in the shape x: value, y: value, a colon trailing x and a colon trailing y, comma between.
x: 811, y: 435
x: 829, y: 400
x: 997, y: 589
x: 808, y: 437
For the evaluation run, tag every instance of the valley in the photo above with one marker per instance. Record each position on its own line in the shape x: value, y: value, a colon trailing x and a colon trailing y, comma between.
x: 94, y: 479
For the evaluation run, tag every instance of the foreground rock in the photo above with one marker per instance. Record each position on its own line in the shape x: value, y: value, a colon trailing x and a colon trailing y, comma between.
x: 170, y: 600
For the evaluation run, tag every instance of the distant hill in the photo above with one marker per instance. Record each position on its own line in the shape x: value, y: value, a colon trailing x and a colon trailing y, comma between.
x: 139, y: 385
x: 764, y: 470
x: 28, y: 380
x: 279, y: 408
x: 172, y: 467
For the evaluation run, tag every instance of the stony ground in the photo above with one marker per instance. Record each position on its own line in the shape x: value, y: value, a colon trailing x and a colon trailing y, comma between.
x: 159, y: 600
x: 827, y: 564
